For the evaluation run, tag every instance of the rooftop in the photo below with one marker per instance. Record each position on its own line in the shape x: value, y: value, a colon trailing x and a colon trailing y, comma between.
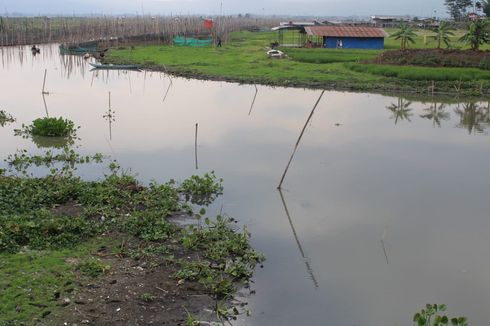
x: 345, y: 31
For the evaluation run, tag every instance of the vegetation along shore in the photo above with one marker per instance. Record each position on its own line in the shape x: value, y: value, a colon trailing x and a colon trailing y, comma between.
x: 243, y: 59
x: 95, y: 252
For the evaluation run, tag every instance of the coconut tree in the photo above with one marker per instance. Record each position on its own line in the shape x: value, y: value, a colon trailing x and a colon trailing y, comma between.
x: 406, y: 34
x: 443, y: 32
x: 478, y: 34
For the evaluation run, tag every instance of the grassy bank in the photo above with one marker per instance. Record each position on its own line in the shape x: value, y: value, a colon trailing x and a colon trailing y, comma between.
x: 77, y: 251
x: 243, y: 60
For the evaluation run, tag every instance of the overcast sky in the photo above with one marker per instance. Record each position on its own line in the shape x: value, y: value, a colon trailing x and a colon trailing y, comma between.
x: 208, y: 7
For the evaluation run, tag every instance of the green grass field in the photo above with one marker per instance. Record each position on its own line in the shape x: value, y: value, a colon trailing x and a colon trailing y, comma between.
x: 244, y: 59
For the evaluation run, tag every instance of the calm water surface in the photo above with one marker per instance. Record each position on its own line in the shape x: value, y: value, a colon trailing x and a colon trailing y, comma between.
x: 386, y: 206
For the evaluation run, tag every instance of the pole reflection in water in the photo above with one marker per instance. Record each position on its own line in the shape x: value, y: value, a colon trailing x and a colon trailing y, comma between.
x: 300, y: 247
x: 253, y: 102
x: 110, y: 117
x: 168, y: 89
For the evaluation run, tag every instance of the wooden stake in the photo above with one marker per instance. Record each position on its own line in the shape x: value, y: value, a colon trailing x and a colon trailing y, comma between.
x: 44, y: 82
x: 195, y: 146
x: 299, y: 140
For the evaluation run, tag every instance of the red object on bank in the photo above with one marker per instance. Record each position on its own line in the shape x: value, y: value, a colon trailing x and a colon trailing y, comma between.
x: 208, y: 23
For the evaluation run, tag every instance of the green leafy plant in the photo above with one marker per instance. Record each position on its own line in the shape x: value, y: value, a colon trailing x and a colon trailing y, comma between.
x: 5, y: 118
x: 430, y: 316
x: 443, y: 33
x: 406, y: 34
x: 147, y: 297
x: 478, y: 34
x: 50, y: 127
x: 93, y: 268
x: 202, y: 190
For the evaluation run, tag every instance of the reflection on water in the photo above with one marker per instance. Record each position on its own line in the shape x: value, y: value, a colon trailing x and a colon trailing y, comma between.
x: 436, y: 114
x: 401, y: 110
x: 375, y: 220
x: 473, y: 117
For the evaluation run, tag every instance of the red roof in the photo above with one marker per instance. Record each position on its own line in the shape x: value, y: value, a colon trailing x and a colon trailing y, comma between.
x: 345, y: 31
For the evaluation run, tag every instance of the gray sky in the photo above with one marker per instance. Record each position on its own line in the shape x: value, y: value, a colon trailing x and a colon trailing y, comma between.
x: 267, y: 7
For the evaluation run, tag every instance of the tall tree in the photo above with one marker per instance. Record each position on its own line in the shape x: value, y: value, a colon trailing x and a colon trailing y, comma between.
x: 478, y: 34
x: 406, y: 34
x: 444, y: 31
x: 485, y: 7
x: 458, y: 9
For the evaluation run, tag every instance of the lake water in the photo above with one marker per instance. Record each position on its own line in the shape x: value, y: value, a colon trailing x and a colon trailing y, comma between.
x: 383, y: 210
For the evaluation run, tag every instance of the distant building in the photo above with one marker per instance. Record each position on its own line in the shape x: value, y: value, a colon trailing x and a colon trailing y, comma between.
x: 347, y: 37
x: 390, y: 21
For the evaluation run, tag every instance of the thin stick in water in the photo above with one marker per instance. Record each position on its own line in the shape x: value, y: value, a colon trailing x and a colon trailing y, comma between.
x: 44, y: 81
x: 299, y: 140
x: 195, y: 146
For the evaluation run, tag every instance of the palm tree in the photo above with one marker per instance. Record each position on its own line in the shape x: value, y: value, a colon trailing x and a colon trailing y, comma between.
x: 444, y: 31
x: 478, y: 34
x: 406, y: 34
x: 436, y: 114
x: 401, y: 110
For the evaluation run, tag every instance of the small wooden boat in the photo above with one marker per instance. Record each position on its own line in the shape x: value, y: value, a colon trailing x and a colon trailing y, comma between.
x: 114, y: 67
x: 80, y: 48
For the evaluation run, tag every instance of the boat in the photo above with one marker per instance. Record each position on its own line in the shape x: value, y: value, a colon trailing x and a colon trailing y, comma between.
x: 79, y: 48
x: 114, y: 67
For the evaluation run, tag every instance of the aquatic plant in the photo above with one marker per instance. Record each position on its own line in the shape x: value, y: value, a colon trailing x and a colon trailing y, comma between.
x: 46, y: 218
x: 430, y: 317
x: 5, y: 118
x: 50, y: 127
x: 202, y: 190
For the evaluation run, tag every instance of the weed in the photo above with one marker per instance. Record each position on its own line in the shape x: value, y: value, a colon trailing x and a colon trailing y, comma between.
x: 93, y: 268
x: 430, y: 317
x: 5, y: 118
x: 147, y: 297
x: 202, y: 190
x: 50, y: 127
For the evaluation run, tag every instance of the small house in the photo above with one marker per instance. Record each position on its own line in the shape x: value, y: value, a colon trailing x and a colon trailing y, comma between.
x: 347, y: 37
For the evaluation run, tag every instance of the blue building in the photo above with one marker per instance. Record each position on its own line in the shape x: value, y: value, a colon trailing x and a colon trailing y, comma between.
x: 347, y: 37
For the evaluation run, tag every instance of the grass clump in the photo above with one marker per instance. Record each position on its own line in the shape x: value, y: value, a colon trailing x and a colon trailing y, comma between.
x: 421, y: 73
x: 93, y: 268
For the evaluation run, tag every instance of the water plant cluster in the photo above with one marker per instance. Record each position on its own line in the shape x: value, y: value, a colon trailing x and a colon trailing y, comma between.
x: 5, y: 118
x: 50, y: 127
x: 61, y: 215
x: 432, y: 316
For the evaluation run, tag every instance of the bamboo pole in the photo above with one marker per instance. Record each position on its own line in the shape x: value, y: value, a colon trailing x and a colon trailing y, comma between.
x: 195, y: 146
x: 299, y: 139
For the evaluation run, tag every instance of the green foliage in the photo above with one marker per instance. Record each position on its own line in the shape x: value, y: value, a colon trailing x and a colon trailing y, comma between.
x: 50, y: 127
x: 61, y: 212
x: 406, y: 34
x: 5, y: 118
x: 458, y: 9
x: 93, y: 268
x: 202, y: 190
x: 444, y: 32
x: 325, y: 56
x: 147, y: 297
x: 478, y: 34
x: 430, y: 317
x: 63, y: 162
x: 422, y: 73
